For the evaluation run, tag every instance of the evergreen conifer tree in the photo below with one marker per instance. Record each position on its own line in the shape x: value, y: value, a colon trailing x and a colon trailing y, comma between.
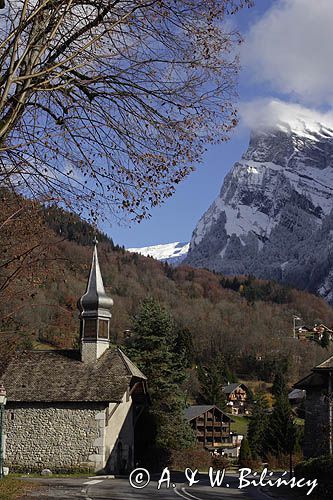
x: 244, y: 453
x: 279, y: 384
x: 151, y: 347
x: 281, y: 429
x: 325, y: 340
x: 258, y: 426
x: 212, y: 378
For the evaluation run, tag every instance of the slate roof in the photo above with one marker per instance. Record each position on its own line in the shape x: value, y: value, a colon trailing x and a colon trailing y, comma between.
x: 228, y: 389
x: 195, y: 411
x: 61, y: 376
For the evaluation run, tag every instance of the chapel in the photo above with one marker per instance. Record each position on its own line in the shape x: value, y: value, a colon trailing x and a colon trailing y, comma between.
x: 71, y: 410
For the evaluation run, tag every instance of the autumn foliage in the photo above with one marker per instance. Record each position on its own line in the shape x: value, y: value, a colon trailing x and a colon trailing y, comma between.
x: 255, y: 337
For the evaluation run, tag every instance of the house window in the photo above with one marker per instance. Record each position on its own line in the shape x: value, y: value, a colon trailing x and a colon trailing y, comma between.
x: 12, y: 415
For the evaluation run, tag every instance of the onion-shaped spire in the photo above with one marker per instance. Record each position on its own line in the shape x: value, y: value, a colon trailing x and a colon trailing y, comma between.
x: 95, y: 302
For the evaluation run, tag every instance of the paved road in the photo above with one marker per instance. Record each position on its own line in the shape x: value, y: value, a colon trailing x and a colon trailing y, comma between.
x: 99, y: 488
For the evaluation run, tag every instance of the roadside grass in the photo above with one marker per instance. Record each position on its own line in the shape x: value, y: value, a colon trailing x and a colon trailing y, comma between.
x: 36, y: 475
x: 240, y: 425
x: 12, y: 488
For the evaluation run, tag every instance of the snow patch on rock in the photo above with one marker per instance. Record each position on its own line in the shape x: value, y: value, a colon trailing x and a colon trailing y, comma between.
x: 169, y: 252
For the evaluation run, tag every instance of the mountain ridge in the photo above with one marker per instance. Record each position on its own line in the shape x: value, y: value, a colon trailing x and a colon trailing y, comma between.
x: 273, y: 216
x: 173, y: 253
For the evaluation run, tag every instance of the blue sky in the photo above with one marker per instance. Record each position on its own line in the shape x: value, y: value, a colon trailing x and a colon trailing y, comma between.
x: 281, y: 61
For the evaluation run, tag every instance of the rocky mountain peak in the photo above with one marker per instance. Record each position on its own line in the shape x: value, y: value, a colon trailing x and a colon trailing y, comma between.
x: 274, y: 209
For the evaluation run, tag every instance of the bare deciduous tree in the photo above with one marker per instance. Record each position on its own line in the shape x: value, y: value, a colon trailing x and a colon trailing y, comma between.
x: 109, y: 103
x: 25, y: 245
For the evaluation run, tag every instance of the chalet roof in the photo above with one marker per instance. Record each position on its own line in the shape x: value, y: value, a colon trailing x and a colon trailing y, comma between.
x: 326, y: 365
x: 196, y: 410
x: 317, y: 376
x: 61, y: 376
x: 311, y: 380
x: 229, y: 388
x: 325, y: 327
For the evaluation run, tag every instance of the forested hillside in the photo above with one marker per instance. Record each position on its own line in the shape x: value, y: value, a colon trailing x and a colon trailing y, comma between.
x: 247, y: 320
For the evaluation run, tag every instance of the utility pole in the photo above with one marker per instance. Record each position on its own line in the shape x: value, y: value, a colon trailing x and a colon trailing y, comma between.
x: 330, y: 413
x: 295, y: 318
x: 3, y: 400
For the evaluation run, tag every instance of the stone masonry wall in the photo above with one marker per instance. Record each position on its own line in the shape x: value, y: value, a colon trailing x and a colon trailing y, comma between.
x: 91, y: 351
x: 45, y: 436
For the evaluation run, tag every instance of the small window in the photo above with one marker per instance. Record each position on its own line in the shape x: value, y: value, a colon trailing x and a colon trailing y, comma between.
x: 12, y: 415
x: 103, y: 329
x: 90, y: 328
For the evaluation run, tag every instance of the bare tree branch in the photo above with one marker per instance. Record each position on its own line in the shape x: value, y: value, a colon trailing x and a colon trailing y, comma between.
x: 108, y: 104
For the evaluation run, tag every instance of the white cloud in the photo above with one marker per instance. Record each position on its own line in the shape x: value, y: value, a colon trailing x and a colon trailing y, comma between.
x: 267, y: 113
x: 290, y: 48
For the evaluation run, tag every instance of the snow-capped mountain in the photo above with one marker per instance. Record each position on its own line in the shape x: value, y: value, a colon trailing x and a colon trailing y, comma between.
x: 273, y: 217
x: 173, y: 253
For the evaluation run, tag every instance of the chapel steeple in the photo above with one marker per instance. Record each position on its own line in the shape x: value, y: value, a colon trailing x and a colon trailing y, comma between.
x: 95, y: 314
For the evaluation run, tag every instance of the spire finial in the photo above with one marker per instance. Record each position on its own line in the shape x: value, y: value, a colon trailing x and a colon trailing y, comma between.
x: 95, y: 240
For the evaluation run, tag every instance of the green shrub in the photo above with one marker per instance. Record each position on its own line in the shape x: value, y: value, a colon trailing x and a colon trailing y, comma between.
x: 320, y: 468
x: 196, y: 458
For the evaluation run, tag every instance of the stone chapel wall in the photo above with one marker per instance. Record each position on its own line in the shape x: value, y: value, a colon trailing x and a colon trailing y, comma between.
x: 59, y: 437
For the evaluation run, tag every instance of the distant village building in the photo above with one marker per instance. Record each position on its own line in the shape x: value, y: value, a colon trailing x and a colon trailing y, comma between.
x: 237, y: 398
x: 232, y: 449
x: 212, y: 429
x: 316, y: 333
x: 319, y: 331
x: 69, y: 409
x: 318, y: 429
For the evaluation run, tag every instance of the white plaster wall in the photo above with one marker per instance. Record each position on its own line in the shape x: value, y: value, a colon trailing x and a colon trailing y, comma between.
x: 119, y: 428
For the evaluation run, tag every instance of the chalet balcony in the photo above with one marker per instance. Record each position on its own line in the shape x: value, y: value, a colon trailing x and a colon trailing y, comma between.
x: 216, y: 432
